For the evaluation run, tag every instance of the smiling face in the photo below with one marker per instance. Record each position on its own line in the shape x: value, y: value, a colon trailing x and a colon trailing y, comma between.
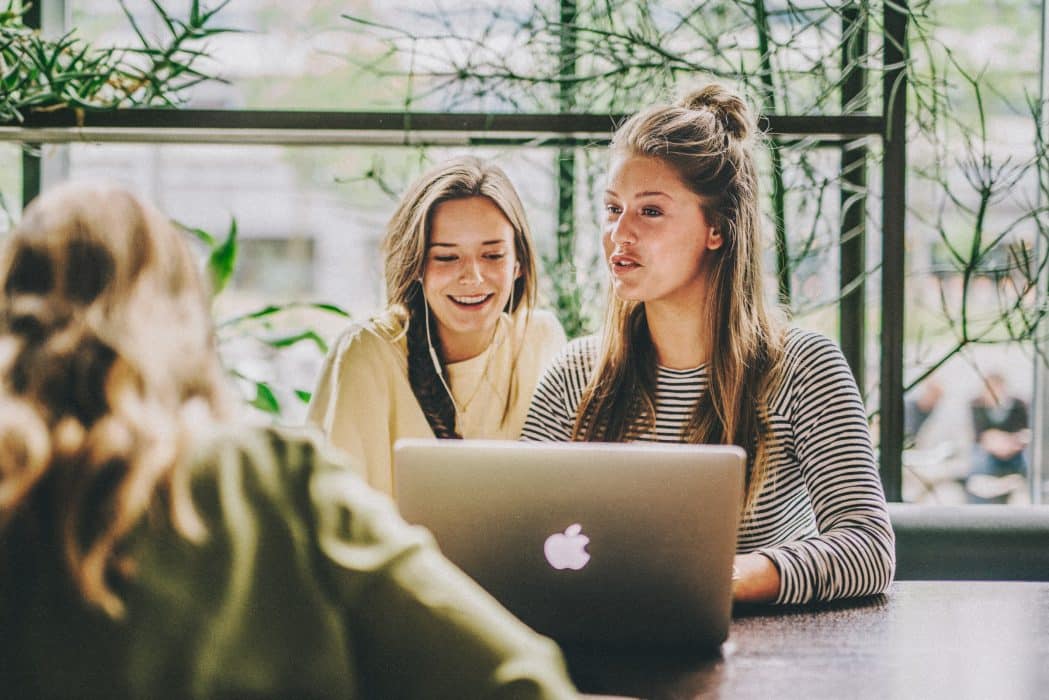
x: 470, y: 269
x: 657, y: 241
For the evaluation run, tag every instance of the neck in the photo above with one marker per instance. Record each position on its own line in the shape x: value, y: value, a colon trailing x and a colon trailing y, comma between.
x: 679, y: 334
x: 459, y: 347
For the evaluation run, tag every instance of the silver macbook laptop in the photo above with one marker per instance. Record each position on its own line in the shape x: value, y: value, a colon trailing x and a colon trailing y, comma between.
x: 625, y: 543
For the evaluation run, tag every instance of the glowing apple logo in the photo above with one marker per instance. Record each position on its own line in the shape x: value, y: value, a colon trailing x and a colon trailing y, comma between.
x: 567, y: 550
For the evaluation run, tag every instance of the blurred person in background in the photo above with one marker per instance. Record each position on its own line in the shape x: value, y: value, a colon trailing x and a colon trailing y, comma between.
x: 1001, y: 433
x: 918, y: 407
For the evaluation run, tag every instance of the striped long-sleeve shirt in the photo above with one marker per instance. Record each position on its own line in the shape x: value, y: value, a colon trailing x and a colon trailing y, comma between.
x: 820, y: 515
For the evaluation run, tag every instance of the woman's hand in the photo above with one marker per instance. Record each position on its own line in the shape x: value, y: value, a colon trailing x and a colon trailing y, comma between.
x: 755, y: 579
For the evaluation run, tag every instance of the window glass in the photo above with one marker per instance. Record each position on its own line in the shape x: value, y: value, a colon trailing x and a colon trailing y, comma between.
x: 485, y: 55
x: 311, y: 218
x: 285, y: 55
x: 309, y: 223
x: 973, y: 237
x: 10, y: 185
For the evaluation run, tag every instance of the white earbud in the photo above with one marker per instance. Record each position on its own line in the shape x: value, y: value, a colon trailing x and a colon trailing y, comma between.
x: 436, y: 361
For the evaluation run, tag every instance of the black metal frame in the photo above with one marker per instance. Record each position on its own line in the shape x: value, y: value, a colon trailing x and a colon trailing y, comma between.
x: 845, y: 131
x: 894, y: 213
x: 853, y: 200
x: 831, y: 128
x: 31, y: 182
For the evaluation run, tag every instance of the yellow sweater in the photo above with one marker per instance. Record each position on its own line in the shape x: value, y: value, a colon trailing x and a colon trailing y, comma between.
x: 363, y: 402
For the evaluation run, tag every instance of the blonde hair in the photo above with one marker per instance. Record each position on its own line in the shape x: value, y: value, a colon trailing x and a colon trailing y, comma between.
x: 404, y: 250
x: 707, y: 139
x: 106, y: 349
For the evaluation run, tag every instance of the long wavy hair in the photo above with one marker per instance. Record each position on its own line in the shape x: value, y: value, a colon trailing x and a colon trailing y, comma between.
x: 404, y: 250
x: 108, y: 362
x: 707, y: 139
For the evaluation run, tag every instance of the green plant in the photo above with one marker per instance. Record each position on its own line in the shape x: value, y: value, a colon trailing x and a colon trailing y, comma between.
x: 41, y: 74
x: 37, y: 73
x: 991, y: 230
x: 267, y: 327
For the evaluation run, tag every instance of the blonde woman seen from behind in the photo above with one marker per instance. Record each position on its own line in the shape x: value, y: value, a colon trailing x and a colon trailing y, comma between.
x: 460, y: 347
x: 691, y: 353
x: 152, y: 547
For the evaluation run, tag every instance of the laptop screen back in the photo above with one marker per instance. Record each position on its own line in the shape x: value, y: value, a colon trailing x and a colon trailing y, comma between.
x: 625, y: 543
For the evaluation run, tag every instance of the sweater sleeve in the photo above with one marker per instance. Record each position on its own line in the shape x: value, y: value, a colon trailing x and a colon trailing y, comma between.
x: 551, y: 417
x: 418, y: 625
x: 351, y: 404
x: 854, y: 553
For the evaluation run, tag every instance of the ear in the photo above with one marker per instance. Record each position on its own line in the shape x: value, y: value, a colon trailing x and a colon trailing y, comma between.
x: 517, y: 269
x: 714, y: 239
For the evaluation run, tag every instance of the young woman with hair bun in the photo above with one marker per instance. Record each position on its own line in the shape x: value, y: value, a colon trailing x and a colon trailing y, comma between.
x: 461, y: 345
x: 153, y: 547
x: 691, y: 352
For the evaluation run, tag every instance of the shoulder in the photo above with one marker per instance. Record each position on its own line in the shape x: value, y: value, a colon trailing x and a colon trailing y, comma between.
x: 239, y: 463
x: 546, y: 320
x: 378, y: 338
x: 293, y: 472
x: 805, y: 351
x: 581, y: 353
x: 266, y: 454
x: 577, y: 359
x: 539, y: 327
x: 813, y: 372
x: 556, y: 399
x: 542, y: 321
x: 257, y: 480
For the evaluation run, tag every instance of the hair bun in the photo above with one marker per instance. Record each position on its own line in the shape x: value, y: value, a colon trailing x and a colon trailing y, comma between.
x: 727, y: 107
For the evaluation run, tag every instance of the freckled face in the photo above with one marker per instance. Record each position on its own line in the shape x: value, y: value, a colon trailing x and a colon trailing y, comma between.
x: 656, y: 239
x: 470, y: 269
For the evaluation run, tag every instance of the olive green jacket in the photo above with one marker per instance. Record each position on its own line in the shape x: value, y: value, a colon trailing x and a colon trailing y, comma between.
x: 309, y: 585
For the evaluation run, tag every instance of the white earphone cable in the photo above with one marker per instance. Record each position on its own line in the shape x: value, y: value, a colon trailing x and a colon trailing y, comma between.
x: 433, y: 353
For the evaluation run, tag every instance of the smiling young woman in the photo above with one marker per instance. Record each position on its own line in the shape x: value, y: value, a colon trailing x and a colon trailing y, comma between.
x: 469, y: 274
x: 691, y: 353
x: 460, y: 347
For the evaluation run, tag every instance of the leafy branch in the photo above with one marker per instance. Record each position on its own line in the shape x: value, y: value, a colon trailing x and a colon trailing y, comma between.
x: 263, y: 327
x: 41, y: 74
x: 990, y: 224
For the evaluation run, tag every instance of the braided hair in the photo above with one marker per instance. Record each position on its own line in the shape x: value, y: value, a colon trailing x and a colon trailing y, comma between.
x: 429, y: 391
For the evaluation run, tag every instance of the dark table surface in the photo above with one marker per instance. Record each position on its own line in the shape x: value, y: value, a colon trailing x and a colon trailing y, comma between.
x: 922, y: 639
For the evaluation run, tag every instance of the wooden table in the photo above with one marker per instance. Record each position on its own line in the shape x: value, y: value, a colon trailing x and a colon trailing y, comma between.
x: 923, y: 639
